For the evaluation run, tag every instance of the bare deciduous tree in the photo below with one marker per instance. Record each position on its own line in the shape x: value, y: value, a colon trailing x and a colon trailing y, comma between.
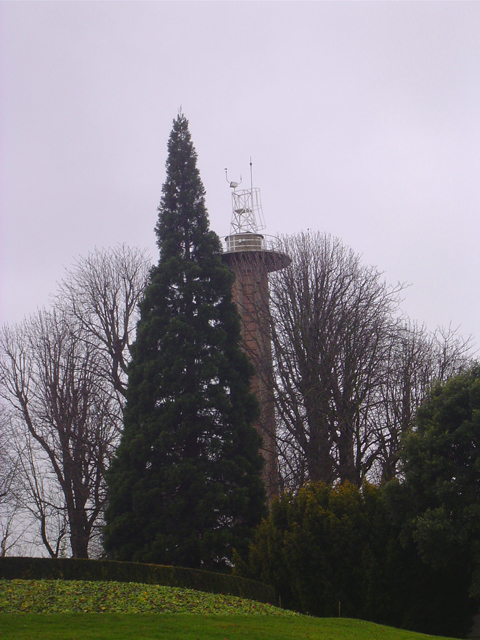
x: 39, y: 494
x: 101, y: 295
x: 63, y: 373
x: 67, y: 423
x: 6, y: 467
x: 332, y: 319
x: 349, y: 371
x: 9, y: 506
x: 416, y: 360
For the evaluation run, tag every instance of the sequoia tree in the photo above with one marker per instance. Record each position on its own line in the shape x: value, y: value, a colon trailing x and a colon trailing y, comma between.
x: 185, y: 485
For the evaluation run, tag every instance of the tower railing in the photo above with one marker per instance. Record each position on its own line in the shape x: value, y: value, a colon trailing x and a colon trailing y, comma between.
x: 250, y: 242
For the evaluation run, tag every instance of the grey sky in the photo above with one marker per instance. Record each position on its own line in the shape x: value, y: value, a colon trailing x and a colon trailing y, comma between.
x: 362, y: 119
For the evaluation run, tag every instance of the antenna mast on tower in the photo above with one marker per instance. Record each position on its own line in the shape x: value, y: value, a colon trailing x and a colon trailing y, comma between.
x: 247, y: 212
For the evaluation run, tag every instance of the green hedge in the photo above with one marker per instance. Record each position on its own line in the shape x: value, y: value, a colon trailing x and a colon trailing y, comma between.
x: 73, y: 569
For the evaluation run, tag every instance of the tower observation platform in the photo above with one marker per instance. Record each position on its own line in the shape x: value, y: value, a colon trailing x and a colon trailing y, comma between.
x: 251, y: 258
x: 256, y: 244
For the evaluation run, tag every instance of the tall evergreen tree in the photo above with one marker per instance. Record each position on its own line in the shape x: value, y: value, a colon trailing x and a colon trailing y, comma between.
x: 185, y: 486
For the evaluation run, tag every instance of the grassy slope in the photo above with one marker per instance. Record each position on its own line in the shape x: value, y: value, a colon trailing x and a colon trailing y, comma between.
x: 127, y: 615
x: 71, y: 596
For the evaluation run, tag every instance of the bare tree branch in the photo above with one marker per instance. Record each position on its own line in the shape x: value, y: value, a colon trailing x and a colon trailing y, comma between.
x: 101, y: 293
x: 349, y: 371
x: 63, y: 374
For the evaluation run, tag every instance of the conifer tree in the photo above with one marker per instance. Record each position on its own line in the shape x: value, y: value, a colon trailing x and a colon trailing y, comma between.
x: 185, y: 485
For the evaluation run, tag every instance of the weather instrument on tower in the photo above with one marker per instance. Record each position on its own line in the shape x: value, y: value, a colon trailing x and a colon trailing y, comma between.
x: 247, y: 213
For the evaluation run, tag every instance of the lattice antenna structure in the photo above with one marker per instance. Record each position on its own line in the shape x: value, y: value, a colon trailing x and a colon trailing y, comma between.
x: 247, y: 212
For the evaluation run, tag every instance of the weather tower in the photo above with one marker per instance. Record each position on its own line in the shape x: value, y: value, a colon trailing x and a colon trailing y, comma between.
x: 251, y: 258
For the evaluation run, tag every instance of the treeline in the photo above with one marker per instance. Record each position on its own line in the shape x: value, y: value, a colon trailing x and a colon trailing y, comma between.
x: 63, y: 379
x: 350, y: 370
x: 334, y: 551
x: 403, y: 554
x: 127, y: 424
x: 349, y: 375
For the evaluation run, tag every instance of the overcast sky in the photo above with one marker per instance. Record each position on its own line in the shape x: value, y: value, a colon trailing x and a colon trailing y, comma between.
x: 362, y: 120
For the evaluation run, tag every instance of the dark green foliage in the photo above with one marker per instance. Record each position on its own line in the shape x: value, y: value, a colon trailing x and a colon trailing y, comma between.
x: 324, y: 547
x: 441, y: 464
x: 437, y: 506
x: 108, y: 571
x: 185, y: 486
x: 336, y: 546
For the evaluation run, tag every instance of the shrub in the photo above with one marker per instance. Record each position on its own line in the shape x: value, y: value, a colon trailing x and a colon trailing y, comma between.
x: 76, y: 569
x: 332, y: 547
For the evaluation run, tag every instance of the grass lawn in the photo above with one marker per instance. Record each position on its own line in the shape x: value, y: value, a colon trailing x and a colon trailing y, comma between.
x: 108, y: 626
x: 58, y: 610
